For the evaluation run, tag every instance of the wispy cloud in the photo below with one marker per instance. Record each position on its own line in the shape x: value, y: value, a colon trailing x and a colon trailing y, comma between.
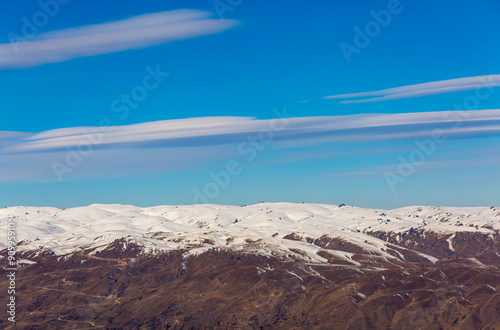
x: 205, y: 131
x: 184, y: 143
x: 418, y: 90
x: 131, y: 33
x: 356, y: 173
x: 440, y: 167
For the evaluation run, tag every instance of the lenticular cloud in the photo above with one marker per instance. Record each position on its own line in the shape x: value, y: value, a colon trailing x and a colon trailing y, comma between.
x: 418, y: 90
x: 206, y: 131
x: 130, y: 33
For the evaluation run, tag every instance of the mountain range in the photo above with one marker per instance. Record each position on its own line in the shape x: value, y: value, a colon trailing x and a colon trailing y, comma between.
x: 268, y: 265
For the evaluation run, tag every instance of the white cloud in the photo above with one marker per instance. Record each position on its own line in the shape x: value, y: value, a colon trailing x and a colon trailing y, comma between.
x: 204, y: 131
x: 131, y: 33
x: 195, y: 142
x: 418, y: 90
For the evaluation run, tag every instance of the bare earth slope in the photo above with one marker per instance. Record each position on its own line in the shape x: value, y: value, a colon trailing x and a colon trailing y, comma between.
x: 269, y: 265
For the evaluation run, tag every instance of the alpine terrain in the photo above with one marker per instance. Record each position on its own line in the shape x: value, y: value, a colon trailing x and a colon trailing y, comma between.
x: 269, y: 265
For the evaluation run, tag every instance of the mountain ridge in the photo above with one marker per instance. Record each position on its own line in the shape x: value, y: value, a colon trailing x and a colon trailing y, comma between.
x: 199, y: 227
x: 268, y: 265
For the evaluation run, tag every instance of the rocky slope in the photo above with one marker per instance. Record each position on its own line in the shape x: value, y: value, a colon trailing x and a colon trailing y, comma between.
x: 278, y: 265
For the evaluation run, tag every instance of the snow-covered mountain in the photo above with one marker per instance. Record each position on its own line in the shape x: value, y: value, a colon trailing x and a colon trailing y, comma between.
x: 269, y: 265
x: 303, y: 231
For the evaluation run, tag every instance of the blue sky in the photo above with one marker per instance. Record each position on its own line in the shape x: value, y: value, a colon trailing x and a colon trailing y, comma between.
x: 212, y: 79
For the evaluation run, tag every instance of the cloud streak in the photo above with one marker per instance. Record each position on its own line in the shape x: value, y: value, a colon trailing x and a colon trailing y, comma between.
x: 174, y: 145
x: 419, y: 90
x: 131, y: 33
x: 205, y: 131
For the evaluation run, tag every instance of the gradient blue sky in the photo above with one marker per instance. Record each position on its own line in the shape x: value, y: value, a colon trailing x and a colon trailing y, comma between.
x: 260, y: 57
